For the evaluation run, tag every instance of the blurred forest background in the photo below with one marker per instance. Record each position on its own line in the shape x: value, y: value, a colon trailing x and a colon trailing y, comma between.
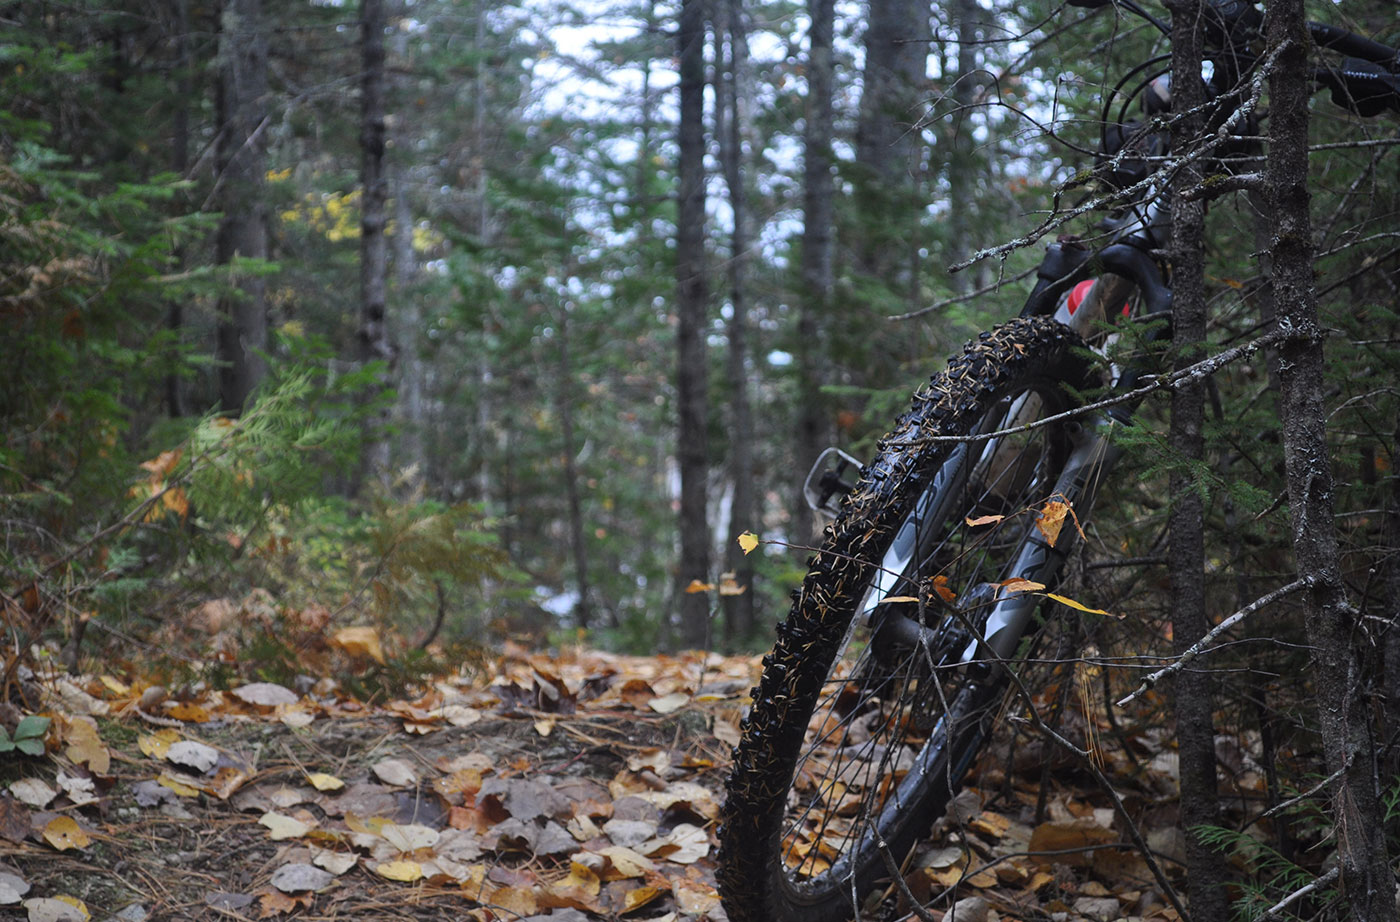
x: 413, y: 314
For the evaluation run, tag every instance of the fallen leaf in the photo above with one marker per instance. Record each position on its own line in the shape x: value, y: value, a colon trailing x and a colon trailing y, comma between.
x: 396, y: 772
x: 276, y: 903
x: 157, y: 745
x: 181, y: 786
x: 281, y: 826
x: 32, y: 791
x: 410, y: 837
x: 12, y: 888
x: 190, y: 713
x: 193, y: 755
x: 666, y: 704
x: 641, y: 896
x: 64, y: 833
x: 694, y: 897
x: 80, y: 790
x: 1064, y: 838
x: 544, y: 726
x: 57, y: 909
x: 361, y: 642
x: 335, y: 862
x: 14, y: 820
x: 85, y: 747
x: 324, y: 782
x: 265, y: 694
x: 405, y: 871
x: 517, y: 901
x: 294, y: 878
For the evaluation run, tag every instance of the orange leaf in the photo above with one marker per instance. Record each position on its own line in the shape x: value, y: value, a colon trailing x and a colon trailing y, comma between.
x: 1017, y: 584
x: 1052, y: 519
x: 940, y: 586
x: 984, y: 520
x: 697, y: 587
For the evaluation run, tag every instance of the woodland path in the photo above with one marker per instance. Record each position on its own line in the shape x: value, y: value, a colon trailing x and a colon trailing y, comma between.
x: 570, y: 788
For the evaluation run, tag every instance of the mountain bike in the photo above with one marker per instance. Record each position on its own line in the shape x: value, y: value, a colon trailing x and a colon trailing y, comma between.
x: 924, y: 596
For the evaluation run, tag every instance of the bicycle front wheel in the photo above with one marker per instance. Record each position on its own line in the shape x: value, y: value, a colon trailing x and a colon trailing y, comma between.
x: 869, y: 711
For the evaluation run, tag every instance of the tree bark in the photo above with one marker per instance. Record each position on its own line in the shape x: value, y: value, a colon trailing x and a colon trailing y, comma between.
x: 896, y: 59
x: 374, y: 340
x: 692, y: 297
x: 1193, y: 698
x: 961, y: 161
x: 578, y: 543
x: 241, y: 160
x: 818, y: 186
x: 1335, y: 634
x: 730, y: 118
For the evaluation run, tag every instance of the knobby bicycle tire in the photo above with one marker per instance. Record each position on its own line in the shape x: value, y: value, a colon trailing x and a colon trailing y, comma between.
x: 854, y: 739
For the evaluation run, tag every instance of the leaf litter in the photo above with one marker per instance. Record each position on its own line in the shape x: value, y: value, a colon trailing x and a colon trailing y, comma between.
x: 456, y: 804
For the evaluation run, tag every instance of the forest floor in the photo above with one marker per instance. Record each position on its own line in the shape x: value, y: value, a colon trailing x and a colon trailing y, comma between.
x: 573, y: 787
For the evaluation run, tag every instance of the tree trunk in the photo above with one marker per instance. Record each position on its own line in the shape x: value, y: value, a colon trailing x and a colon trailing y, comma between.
x: 692, y: 297
x: 374, y: 340
x: 578, y: 545
x: 962, y: 161
x: 896, y: 60
x: 175, y: 403
x: 1193, y: 698
x: 730, y: 119
x: 1335, y: 634
x: 817, y: 218
x: 409, y: 325
x: 241, y: 158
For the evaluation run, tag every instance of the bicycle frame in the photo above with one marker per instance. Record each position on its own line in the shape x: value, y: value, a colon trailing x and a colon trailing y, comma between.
x: 1126, y: 264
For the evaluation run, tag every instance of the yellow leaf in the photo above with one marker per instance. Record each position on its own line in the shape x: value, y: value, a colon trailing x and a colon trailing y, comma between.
x: 748, y: 541
x: 636, y: 899
x: 544, y: 726
x: 406, y: 871
x: 281, y: 826
x: 360, y: 641
x: 1017, y: 584
x: 1052, y: 519
x: 696, y: 587
x: 116, y: 686
x: 63, y: 833
x: 1073, y: 604
x: 324, y: 782
x: 179, y: 787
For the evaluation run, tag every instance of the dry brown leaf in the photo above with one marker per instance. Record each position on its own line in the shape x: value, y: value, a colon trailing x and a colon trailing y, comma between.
x: 694, y: 897
x: 360, y: 642
x: 1051, y: 519
x: 85, y: 747
x: 14, y: 820
x: 1064, y: 837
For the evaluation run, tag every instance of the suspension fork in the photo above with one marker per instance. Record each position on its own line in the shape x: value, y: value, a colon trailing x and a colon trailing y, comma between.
x: 1094, y: 456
